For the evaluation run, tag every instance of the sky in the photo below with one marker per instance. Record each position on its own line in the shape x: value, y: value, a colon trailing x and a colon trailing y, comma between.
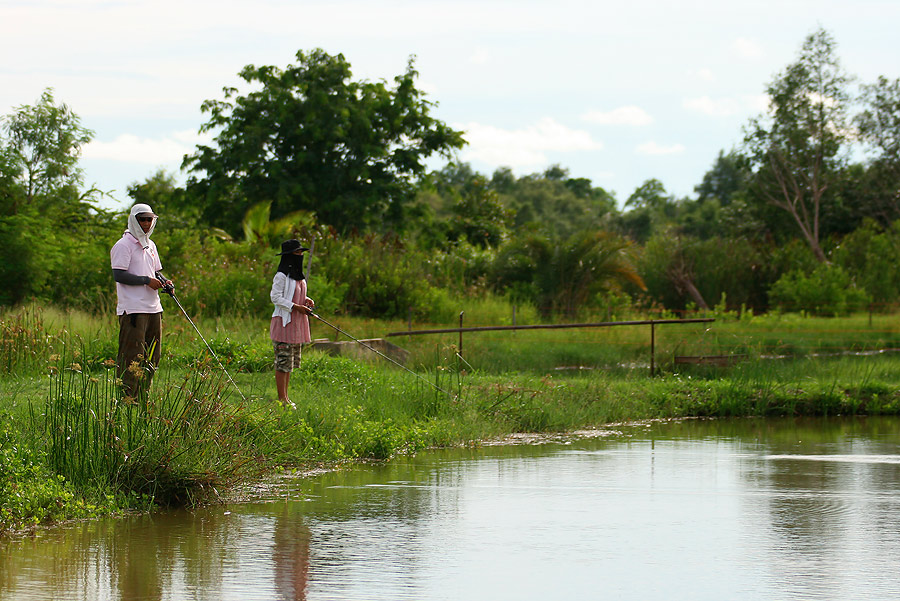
x: 616, y: 92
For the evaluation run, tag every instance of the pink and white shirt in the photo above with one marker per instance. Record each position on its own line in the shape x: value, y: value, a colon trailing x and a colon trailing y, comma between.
x: 128, y: 254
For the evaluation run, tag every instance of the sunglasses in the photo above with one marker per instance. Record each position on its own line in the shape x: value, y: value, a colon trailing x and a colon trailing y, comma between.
x: 144, y: 219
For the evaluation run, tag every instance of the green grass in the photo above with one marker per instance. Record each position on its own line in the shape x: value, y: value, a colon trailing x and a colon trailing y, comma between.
x: 71, y: 447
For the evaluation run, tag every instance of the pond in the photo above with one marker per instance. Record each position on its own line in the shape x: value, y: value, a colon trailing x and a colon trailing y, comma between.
x: 699, y: 509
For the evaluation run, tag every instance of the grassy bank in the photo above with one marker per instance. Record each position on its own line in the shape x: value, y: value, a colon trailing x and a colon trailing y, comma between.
x: 70, y: 448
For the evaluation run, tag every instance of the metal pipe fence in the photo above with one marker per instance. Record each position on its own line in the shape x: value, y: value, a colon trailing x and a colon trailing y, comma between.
x: 557, y: 326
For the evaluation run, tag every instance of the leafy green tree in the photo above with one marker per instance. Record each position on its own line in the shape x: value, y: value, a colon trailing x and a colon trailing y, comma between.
x: 796, y: 149
x: 39, y: 155
x: 161, y: 191
x: 553, y: 202
x: 40, y: 181
x: 648, y: 209
x: 879, y: 122
x: 828, y: 290
x: 308, y: 137
x: 468, y: 206
x: 479, y: 217
x: 879, y: 128
x: 727, y: 179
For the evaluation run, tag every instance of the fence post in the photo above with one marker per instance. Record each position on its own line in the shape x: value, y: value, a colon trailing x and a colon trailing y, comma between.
x: 652, y: 347
x: 461, y: 313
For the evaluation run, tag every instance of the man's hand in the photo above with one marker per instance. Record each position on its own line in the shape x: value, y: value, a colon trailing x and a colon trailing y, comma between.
x: 160, y: 281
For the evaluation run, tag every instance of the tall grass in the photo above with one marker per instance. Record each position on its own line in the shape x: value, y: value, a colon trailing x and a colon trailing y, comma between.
x: 174, y: 444
x: 24, y: 341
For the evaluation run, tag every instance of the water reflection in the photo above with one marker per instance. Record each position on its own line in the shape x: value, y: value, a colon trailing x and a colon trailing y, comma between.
x: 744, y: 509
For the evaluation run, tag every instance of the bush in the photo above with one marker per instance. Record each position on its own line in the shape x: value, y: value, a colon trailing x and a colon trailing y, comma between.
x: 382, y: 278
x: 827, y: 291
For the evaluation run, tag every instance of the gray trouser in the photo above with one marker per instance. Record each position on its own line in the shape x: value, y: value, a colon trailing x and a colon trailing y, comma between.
x: 139, y: 333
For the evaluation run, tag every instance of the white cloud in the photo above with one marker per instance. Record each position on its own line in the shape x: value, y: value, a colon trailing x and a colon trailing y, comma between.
x: 479, y: 57
x: 720, y: 107
x: 747, y: 48
x: 624, y: 115
x: 704, y: 74
x: 653, y: 148
x: 727, y: 106
x: 149, y: 151
x: 523, y: 147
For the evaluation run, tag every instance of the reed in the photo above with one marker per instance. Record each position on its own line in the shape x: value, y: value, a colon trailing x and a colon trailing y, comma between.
x: 174, y: 444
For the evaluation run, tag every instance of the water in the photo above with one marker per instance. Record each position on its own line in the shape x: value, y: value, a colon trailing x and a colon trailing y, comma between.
x: 696, y: 510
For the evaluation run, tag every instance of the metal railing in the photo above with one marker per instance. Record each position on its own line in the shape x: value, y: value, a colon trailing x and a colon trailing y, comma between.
x: 558, y: 326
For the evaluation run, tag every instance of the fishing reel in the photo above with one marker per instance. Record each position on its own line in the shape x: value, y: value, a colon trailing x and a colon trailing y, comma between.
x: 166, y: 286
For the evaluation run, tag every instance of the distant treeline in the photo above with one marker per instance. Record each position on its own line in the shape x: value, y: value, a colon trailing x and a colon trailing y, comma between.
x: 787, y: 221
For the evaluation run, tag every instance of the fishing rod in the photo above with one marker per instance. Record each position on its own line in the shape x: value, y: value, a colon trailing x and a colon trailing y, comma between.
x: 376, y: 351
x: 169, y: 289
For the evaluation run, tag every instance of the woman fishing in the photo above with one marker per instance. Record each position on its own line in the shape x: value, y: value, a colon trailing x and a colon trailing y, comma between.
x: 290, y: 322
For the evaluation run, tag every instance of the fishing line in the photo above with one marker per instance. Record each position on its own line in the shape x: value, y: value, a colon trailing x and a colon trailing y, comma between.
x: 376, y: 351
x: 170, y: 290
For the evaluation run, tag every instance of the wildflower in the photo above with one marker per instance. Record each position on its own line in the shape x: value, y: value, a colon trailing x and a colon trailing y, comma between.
x: 75, y: 367
x: 109, y: 363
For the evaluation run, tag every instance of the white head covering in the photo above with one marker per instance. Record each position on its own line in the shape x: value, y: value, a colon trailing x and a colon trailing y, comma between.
x: 135, y: 229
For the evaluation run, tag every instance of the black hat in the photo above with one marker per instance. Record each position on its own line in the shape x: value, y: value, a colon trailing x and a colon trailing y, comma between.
x: 290, y: 246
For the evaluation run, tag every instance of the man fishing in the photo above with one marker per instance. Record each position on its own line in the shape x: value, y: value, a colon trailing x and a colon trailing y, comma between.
x: 135, y: 263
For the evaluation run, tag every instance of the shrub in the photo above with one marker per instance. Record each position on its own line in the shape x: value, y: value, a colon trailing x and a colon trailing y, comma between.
x: 382, y: 278
x: 828, y: 290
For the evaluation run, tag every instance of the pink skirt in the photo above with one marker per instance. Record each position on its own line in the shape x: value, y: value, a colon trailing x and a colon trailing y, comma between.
x: 297, y: 331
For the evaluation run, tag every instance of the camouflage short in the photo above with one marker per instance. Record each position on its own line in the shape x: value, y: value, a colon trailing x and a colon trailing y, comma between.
x: 287, y: 356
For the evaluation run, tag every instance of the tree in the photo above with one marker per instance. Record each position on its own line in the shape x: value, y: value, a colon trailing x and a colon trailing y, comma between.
x: 552, y: 201
x: 472, y: 209
x: 647, y: 209
x: 879, y: 123
x: 40, y: 180
x: 727, y: 179
x: 311, y: 138
x: 650, y: 195
x: 39, y: 157
x: 879, y: 128
x: 796, y: 148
